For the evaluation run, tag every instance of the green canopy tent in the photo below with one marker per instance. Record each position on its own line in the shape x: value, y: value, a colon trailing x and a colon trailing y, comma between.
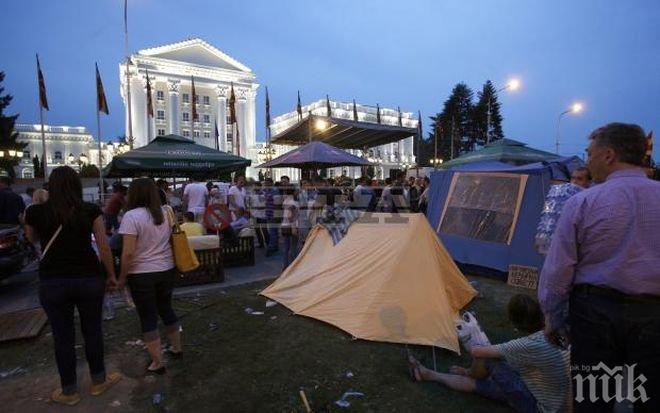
x: 505, y: 151
x: 173, y: 156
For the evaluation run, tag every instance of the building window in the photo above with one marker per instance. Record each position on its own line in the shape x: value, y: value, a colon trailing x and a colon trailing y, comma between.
x: 206, y: 100
x: 196, y: 134
x: 207, y: 119
x: 161, y: 132
x: 186, y: 98
x: 207, y: 135
x: 160, y: 115
x: 186, y: 133
x: 27, y: 174
x: 160, y: 95
x: 186, y: 117
x: 26, y: 154
x: 58, y: 156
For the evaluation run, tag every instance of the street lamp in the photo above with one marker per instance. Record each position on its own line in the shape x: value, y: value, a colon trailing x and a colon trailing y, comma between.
x: 83, y: 158
x: 513, y: 84
x: 436, y: 162
x: 71, y: 158
x: 576, y: 107
x: 320, y: 124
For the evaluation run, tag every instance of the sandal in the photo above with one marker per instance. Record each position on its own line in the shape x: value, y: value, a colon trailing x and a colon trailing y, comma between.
x: 159, y: 371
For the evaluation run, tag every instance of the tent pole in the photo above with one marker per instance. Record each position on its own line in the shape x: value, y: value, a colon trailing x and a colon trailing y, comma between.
x: 435, y: 367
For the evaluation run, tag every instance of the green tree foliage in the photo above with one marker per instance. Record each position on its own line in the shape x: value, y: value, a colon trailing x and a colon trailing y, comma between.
x: 89, y: 171
x: 480, y: 115
x: 8, y: 135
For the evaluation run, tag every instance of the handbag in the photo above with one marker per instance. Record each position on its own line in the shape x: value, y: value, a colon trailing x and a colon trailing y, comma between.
x: 52, y: 239
x: 184, y: 256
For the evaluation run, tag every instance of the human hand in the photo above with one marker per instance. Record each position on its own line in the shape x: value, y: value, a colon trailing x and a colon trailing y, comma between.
x: 121, y: 283
x: 111, y: 283
x: 557, y: 336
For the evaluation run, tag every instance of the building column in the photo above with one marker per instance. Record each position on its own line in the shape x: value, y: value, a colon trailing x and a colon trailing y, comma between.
x: 221, y: 116
x: 251, y: 137
x: 242, y: 121
x: 138, y: 111
x: 173, y: 119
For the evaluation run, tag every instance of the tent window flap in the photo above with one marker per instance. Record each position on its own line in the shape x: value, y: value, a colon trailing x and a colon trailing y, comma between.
x: 483, y: 206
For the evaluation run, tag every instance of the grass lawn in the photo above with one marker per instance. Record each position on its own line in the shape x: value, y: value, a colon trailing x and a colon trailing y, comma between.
x: 240, y: 362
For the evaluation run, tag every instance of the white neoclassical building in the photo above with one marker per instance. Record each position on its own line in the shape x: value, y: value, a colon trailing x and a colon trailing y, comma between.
x: 171, y: 69
x: 398, y: 155
x: 65, y: 145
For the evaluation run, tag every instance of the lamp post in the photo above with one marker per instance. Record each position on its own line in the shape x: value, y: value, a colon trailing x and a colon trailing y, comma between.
x: 436, y: 162
x: 512, y: 84
x: 574, y: 108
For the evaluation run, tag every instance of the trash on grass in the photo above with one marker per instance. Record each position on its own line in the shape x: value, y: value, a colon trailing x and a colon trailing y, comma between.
x: 345, y: 403
x: 271, y: 303
x: 250, y: 311
x: 138, y: 342
x: 116, y: 403
x: 13, y: 372
x: 157, y: 398
x: 349, y: 374
x: 213, y: 326
x: 273, y: 317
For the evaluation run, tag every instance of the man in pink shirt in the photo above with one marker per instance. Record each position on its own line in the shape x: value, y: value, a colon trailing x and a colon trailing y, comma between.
x: 601, y: 277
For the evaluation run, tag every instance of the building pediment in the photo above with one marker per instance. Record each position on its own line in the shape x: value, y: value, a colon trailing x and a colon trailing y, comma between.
x: 195, y: 52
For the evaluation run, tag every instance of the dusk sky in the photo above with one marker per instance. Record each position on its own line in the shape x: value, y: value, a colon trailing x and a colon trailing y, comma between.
x: 605, y: 54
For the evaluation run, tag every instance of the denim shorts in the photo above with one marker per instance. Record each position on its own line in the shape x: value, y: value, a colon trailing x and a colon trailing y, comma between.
x: 505, y: 384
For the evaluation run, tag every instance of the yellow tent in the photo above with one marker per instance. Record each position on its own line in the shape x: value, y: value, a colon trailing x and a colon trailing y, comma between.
x: 384, y: 281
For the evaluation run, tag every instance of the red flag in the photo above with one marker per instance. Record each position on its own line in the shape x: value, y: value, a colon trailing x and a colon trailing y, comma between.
x: 43, y: 100
x: 299, y: 107
x: 355, y: 114
x: 377, y: 113
x: 195, y: 117
x: 400, y: 116
x: 327, y: 106
x: 217, y: 137
x: 150, y: 103
x: 232, y: 106
x: 101, y: 103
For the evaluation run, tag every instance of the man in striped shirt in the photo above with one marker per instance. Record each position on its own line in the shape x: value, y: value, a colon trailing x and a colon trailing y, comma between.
x: 529, y: 374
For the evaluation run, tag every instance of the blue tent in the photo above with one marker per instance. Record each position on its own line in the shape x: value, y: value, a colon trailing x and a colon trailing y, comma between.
x: 486, y: 213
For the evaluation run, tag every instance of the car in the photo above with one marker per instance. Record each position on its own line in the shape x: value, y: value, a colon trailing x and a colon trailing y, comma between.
x: 12, y: 254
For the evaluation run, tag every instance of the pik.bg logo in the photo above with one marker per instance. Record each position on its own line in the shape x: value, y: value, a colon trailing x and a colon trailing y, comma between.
x: 599, y: 382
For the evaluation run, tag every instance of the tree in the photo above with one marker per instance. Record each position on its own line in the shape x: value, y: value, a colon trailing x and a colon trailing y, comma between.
x: 480, y: 115
x: 453, y: 125
x: 8, y: 135
x: 89, y: 171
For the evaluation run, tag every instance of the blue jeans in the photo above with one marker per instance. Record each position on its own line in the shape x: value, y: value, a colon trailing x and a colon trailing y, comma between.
x: 290, y: 249
x: 59, y: 298
x: 505, y: 385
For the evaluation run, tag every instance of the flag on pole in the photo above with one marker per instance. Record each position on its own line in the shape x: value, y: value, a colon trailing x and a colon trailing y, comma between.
x: 193, y: 102
x: 267, y: 109
x: 43, y: 100
x: 355, y: 115
x: 217, y: 136
x: 232, y: 105
x: 400, y: 116
x: 101, y: 103
x: 150, y: 103
x: 125, y: 16
x: 377, y: 113
x: 327, y: 106
x: 299, y: 107
x: 419, y: 123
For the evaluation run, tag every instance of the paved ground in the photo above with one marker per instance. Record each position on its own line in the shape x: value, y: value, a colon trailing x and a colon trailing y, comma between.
x: 20, y: 291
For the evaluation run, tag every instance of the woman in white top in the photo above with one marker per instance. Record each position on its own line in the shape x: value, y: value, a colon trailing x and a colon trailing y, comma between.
x: 147, y: 265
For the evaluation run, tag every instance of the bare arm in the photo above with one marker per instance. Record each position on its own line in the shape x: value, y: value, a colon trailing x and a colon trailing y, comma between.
x: 127, y: 255
x: 104, y: 252
x: 30, y: 234
x: 489, y: 352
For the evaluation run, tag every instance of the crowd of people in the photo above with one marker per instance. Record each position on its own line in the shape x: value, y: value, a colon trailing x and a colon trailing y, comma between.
x: 599, y: 290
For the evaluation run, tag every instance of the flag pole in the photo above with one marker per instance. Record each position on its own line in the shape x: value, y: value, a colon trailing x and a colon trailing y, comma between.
x: 128, y: 77
x: 98, y: 128
x: 44, y: 160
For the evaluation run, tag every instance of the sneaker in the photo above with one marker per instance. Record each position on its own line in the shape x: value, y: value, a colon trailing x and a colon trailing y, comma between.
x: 110, y: 380
x: 69, y: 399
